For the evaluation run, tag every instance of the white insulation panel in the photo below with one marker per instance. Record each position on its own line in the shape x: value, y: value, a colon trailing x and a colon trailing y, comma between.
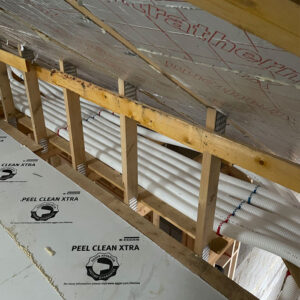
x: 85, y: 250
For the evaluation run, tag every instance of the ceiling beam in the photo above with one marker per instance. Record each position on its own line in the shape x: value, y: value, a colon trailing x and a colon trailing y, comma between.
x: 276, y: 21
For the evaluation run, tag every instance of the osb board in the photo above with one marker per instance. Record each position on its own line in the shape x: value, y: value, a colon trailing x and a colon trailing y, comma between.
x: 255, y: 83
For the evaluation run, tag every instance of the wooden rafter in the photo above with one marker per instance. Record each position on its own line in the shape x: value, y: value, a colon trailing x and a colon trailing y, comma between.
x: 276, y: 21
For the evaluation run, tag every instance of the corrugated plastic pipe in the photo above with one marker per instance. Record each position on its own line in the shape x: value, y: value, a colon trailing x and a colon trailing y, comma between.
x: 225, y: 186
x: 182, y: 187
x: 282, y: 249
x: 173, y: 177
x: 112, y: 118
x: 290, y: 290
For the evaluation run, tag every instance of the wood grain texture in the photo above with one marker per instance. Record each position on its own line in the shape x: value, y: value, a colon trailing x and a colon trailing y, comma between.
x: 74, y: 121
x: 128, y: 130
x: 276, y: 21
x: 14, y: 61
x: 35, y: 103
x: 210, y: 173
x: 6, y: 94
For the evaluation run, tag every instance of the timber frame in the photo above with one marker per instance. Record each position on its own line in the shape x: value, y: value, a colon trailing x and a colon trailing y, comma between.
x: 267, y: 165
x: 203, y: 140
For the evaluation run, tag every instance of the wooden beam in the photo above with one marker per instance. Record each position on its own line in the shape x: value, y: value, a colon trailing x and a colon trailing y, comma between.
x: 276, y: 21
x: 6, y: 96
x: 200, y: 139
x: 73, y: 112
x: 35, y: 103
x: 128, y: 128
x: 185, y: 256
x: 210, y: 173
x: 155, y: 219
x: 14, y: 61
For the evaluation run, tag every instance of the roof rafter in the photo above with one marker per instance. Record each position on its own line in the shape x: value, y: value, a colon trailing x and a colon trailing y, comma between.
x: 276, y: 21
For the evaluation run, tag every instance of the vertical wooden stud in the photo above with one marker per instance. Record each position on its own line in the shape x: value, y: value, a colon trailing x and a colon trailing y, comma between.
x: 155, y: 219
x: 74, y: 121
x: 6, y: 96
x: 129, y: 149
x: 34, y: 101
x: 208, y: 186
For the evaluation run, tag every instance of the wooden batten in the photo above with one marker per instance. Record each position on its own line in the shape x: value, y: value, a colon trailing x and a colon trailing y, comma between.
x: 35, y: 103
x: 128, y: 128
x: 210, y: 172
x: 6, y: 96
x: 14, y: 61
x: 74, y: 121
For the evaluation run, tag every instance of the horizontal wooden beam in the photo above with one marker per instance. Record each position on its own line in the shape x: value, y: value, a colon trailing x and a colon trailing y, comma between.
x: 200, y: 139
x: 276, y: 21
x: 14, y: 61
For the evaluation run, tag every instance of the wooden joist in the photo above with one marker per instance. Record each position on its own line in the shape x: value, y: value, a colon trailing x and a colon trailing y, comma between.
x: 74, y: 121
x: 211, y: 166
x: 276, y: 21
x: 6, y: 96
x: 14, y: 61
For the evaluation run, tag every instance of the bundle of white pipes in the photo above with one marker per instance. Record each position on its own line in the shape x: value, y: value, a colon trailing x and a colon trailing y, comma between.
x: 245, y: 212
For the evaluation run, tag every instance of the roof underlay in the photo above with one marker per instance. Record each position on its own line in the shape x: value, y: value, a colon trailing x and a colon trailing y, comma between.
x: 180, y: 57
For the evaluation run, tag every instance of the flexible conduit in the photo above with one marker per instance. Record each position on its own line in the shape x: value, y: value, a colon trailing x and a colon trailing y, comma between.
x: 250, y: 214
x: 290, y: 289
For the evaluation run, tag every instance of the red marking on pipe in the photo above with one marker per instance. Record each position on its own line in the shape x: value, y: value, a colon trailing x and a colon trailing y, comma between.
x: 222, y: 222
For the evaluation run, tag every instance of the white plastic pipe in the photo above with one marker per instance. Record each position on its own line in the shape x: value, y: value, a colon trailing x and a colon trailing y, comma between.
x: 282, y: 249
x: 290, y: 290
x: 173, y: 177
